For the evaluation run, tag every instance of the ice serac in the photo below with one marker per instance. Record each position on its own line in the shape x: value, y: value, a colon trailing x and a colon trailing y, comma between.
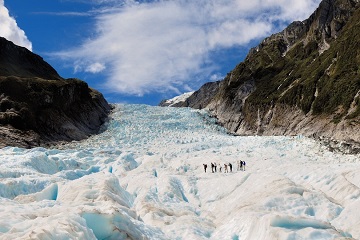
x: 37, y: 106
x: 303, y: 80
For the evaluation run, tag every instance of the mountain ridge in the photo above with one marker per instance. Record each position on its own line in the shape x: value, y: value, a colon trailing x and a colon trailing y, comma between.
x: 17, y: 61
x: 39, y: 107
x: 303, y: 80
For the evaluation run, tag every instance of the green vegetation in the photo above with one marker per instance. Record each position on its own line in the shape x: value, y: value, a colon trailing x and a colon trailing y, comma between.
x: 323, y: 83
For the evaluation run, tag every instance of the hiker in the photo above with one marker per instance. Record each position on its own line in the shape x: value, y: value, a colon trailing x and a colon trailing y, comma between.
x: 212, y: 167
x: 241, y: 165
x: 205, y: 166
x: 230, y: 166
x: 244, y: 165
x: 215, y: 166
x: 225, y: 167
x: 219, y: 167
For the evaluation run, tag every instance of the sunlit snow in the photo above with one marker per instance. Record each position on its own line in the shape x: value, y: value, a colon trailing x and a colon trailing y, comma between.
x: 143, y: 178
x: 178, y: 99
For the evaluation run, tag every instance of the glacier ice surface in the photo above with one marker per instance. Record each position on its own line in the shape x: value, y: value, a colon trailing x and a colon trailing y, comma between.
x: 142, y: 177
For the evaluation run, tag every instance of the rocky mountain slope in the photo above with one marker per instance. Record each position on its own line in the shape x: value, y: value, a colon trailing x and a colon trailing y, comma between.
x: 37, y: 106
x: 303, y: 80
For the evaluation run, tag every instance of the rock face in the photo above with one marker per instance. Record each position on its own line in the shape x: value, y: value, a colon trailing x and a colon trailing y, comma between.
x: 39, y: 107
x: 199, y: 99
x: 20, y: 62
x: 303, y: 80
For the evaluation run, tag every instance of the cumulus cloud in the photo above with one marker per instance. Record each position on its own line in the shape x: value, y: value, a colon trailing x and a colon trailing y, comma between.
x: 163, y: 45
x: 10, y: 30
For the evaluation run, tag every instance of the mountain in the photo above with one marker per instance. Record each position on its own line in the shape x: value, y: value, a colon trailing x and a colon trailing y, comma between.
x: 303, y: 80
x: 37, y: 106
x: 20, y: 62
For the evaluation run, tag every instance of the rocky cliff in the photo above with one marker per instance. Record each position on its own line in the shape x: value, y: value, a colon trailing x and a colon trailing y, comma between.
x: 39, y: 107
x: 303, y: 80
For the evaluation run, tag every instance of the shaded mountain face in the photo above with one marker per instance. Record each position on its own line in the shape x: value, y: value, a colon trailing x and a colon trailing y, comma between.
x: 37, y: 106
x: 303, y: 80
x: 20, y: 62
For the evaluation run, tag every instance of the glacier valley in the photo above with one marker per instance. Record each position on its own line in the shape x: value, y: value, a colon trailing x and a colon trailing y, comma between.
x: 142, y: 177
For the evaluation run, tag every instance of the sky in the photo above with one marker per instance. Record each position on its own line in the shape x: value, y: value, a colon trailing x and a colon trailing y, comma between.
x: 149, y: 50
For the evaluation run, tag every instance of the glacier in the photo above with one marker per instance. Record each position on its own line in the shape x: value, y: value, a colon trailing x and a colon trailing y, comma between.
x: 142, y: 177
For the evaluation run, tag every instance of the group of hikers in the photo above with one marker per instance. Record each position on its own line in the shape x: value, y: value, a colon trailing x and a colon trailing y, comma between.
x: 227, y: 167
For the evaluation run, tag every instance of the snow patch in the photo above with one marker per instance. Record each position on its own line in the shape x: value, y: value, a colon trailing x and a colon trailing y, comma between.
x: 178, y: 99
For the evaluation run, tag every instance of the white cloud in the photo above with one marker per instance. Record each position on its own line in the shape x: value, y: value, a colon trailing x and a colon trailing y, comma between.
x: 164, y: 45
x: 95, y: 68
x: 216, y: 77
x: 10, y: 30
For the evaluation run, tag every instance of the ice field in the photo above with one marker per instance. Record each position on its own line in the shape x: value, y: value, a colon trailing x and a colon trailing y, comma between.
x: 143, y: 178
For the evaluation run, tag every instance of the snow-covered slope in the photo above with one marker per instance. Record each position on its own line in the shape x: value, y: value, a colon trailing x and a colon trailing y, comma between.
x: 176, y: 100
x: 143, y: 178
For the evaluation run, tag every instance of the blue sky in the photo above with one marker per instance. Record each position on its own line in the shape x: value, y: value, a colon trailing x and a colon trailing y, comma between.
x: 145, y: 51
